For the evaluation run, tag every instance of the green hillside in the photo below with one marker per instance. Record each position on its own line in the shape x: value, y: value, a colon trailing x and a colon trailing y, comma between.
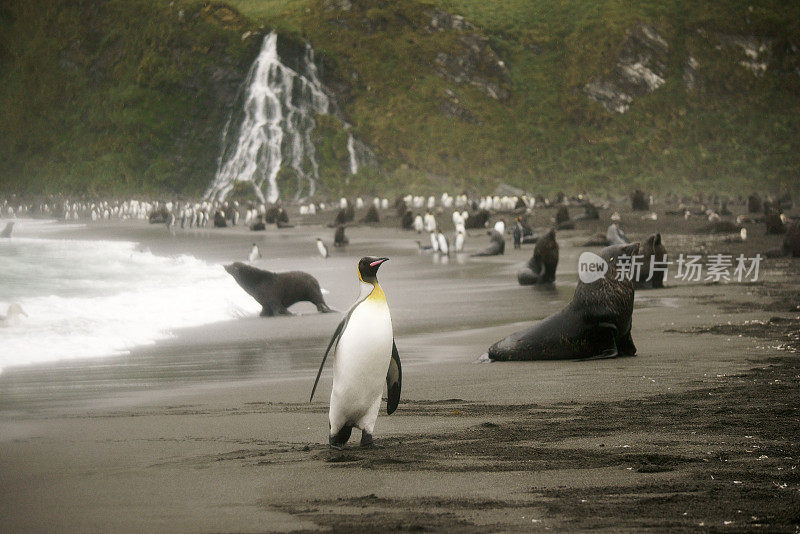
x: 135, y: 99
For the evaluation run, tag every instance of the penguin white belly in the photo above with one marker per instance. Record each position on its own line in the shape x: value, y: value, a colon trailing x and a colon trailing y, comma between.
x: 362, y: 361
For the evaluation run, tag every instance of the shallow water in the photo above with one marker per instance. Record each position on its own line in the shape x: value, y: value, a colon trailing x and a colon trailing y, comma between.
x: 442, y: 308
x: 89, y: 298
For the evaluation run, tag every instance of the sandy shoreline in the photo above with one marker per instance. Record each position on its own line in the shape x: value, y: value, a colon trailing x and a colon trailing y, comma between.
x: 211, y: 431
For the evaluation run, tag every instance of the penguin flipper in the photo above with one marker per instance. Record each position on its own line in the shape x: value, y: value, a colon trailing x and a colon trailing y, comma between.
x: 336, y: 335
x: 607, y: 345
x: 394, y: 379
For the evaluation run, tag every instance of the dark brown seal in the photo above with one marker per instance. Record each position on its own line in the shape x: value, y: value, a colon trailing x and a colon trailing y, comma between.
x: 639, y: 201
x: 595, y: 324
x: 497, y: 245
x: 541, y: 268
x: 652, y: 252
x: 277, y: 291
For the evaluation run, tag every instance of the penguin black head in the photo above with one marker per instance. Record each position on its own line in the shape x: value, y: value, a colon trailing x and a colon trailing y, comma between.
x: 368, y: 268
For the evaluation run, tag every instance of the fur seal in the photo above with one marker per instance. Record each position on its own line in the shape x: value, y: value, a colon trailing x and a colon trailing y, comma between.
x: 7, y: 230
x: 477, y: 220
x: 639, y: 201
x: 271, y: 215
x: 719, y: 227
x: 159, y: 215
x: 563, y: 222
x: 651, y: 248
x: 497, y: 245
x: 773, y: 219
x: 219, y: 219
x: 791, y: 244
x: 339, y: 239
x: 258, y: 224
x: 371, y: 216
x: 407, y: 222
x: 753, y: 204
x: 595, y: 324
x: 541, y: 268
x: 277, y: 291
x: 590, y: 213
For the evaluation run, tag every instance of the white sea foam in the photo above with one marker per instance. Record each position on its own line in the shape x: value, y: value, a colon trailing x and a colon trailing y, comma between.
x: 101, y: 298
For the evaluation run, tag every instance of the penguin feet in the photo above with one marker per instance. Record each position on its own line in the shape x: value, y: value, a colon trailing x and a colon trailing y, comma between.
x: 337, y: 441
x: 366, y: 440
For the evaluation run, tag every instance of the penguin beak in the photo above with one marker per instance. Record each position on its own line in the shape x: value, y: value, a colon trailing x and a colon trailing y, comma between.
x: 378, y: 262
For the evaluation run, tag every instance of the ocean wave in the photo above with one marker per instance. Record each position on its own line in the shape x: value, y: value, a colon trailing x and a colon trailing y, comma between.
x: 100, y: 298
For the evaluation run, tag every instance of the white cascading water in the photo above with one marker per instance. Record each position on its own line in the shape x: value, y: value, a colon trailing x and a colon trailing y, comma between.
x: 352, y: 151
x: 277, y: 123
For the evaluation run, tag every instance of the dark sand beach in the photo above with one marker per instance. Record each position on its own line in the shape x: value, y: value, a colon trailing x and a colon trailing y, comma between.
x: 211, y: 430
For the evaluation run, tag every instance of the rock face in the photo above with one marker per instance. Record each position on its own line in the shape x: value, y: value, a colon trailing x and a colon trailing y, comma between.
x: 639, y: 70
x: 443, y: 21
x: 475, y: 63
x: 755, y: 52
x: 452, y: 107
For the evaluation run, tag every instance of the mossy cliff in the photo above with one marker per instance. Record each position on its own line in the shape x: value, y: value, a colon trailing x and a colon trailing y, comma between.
x: 131, y: 96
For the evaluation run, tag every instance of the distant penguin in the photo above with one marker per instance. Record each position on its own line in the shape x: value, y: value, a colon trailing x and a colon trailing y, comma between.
x: 741, y: 238
x: 444, y: 244
x: 323, y: 250
x: 615, y: 235
x: 434, y: 242
x: 418, y: 224
x: 365, y: 356
x: 459, y: 241
x: 254, y: 254
x: 7, y: 230
x: 12, y: 315
x: 500, y: 227
x: 430, y: 222
x: 518, y: 233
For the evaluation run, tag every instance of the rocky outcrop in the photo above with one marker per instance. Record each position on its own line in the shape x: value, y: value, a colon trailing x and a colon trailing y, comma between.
x: 754, y: 52
x: 690, y: 73
x: 639, y: 70
x: 475, y: 63
x: 443, y: 21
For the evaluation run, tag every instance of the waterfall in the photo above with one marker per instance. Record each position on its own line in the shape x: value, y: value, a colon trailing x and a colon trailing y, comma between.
x: 277, y: 120
x: 352, y: 151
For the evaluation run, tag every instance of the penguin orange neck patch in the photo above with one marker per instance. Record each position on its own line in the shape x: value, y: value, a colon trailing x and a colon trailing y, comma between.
x: 377, y: 293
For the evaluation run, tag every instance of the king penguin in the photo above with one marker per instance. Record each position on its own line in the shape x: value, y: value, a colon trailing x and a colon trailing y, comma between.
x: 254, y: 253
x: 323, y: 250
x: 366, y: 355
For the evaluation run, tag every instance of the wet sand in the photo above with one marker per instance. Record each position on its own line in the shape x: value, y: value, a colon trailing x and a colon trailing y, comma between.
x: 211, y: 430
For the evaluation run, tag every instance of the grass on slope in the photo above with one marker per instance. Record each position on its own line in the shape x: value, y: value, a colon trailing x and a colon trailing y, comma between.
x: 131, y: 95
x: 115, y: 97
x: 734, y: 128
